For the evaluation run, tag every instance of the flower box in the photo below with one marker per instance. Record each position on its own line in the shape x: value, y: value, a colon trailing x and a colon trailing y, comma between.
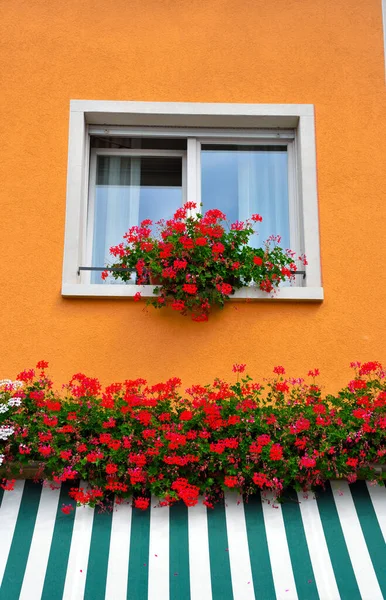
x: 135, y: 439
x: 17, y: 470
x: 196, y: 263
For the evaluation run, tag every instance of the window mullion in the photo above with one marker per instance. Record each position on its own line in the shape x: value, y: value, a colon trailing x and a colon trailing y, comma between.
x: 184, y: 178
x: 193, y: 183
x: 89, y: 237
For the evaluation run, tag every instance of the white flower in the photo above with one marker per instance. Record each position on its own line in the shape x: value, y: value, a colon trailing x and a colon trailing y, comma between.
x: 3, y: 408
x: 1, y: 458
x: 17, y: 384
x: 5, y: 382
x: 14, y: 402
x: 13, y: 385
x: 6, y: 431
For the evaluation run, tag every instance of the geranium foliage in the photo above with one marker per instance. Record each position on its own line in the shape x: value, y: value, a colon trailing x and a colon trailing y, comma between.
x: 132, y: 439
x: 198, y: 261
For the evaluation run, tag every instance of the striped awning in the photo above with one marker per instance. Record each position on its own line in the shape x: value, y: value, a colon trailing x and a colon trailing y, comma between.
x: 326, y: 548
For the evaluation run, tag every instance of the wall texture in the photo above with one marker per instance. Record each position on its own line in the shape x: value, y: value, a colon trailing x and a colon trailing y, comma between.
x: 326, y: 53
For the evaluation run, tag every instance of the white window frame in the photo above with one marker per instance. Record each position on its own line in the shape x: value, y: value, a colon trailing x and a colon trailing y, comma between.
x: 292, y: 125
x: 384, y: 31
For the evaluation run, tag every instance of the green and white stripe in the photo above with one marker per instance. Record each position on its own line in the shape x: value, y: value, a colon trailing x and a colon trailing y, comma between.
x: 326, y: 548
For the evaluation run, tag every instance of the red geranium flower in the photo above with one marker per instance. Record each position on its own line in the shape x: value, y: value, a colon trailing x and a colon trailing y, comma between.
x: 142, y: 503
x: 186, y: 415
x: 189, y: 288
x: 67, y: 508
x: 238, y: 368
x: 231, y: 481
x: 42, y: 364
x: 111, y: 469
x: 276, y: 452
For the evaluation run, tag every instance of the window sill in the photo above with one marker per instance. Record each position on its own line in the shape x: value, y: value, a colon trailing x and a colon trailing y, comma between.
x: 314, y: 294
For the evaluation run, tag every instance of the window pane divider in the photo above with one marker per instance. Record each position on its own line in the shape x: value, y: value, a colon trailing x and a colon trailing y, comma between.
x: 193, y: 183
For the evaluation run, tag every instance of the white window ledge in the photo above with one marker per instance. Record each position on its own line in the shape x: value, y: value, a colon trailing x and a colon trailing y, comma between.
x: 128, y: 291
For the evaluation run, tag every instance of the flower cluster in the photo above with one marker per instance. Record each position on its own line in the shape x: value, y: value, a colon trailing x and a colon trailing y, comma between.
x: 197, y: 263
x: 5, y: 432
x: 132, y: 439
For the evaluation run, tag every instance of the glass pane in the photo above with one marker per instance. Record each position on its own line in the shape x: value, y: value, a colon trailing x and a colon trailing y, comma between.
x: 244, y: 180
x: 129, y: 190
x: 156, y: 143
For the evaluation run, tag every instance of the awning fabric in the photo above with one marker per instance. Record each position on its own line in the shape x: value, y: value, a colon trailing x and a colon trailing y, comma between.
x: 326, y: 548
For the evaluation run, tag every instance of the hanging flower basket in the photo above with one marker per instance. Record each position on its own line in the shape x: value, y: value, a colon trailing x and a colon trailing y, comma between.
x: 197, y: 262
x: 155, y: 279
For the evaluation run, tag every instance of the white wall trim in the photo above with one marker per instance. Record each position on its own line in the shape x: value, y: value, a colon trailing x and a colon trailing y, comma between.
x: 306, y: 162
x: 190, y: 108
x: 278, y: 117
x: 128, y: 291
x: 384, y: 29
x: 190, y: 114
x: 75, y: 217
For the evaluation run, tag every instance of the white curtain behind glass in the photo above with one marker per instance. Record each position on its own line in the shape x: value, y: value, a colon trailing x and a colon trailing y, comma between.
x: 116, y: 209
x: 242, y: 182
x: 127, y: 191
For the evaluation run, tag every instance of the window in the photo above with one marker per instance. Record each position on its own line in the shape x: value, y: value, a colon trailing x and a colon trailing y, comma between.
x: 127, y: 186
x: 130, y: 161
x: 245, y: 179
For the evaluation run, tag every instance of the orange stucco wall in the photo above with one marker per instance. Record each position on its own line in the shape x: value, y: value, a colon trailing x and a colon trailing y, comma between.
x: 325, y: 52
